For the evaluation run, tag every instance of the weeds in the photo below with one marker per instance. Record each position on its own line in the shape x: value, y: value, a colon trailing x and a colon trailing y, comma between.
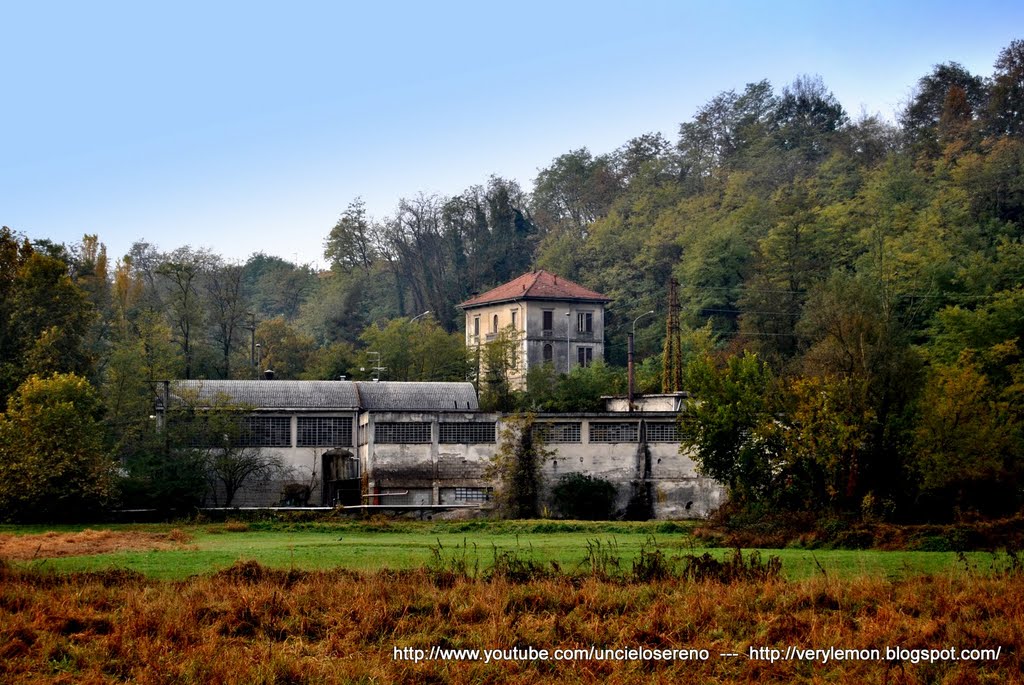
x: 732, y: 569
x: 242, y: 625
x: 602, y: 560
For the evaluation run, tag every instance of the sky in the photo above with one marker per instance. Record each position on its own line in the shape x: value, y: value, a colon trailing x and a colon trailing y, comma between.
x: 249, y: 127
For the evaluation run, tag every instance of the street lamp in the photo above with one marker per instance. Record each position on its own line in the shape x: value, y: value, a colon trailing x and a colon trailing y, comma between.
x: 419, y: 316
x: 629, y: 384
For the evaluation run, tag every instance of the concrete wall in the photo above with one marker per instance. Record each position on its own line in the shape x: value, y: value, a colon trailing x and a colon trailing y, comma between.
x: 300, y: 465
x: 434, y: 474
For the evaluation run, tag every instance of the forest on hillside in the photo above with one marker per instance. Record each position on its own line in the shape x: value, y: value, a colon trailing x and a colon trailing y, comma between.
x: 849, y: 290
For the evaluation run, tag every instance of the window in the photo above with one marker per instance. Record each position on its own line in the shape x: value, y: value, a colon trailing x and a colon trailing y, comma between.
x: 494, y: 324
x: 467, y: 433
x: 265, y: 431
x: 662, y: 432
x: 549, y: 353
x: 395, y: 433
x: 476, y: 326
x: 324, y: 431
x: 552, y: 433
x: 585, y: 322
x: 514, y: 317
x: 585, y: 356
x: 473, y: 494
x: 614, y: 432
x: 549, y: 318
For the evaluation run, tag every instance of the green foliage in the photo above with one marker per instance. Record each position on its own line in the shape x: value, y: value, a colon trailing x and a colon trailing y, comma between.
x: 216, y: 435
x: 732, y: 427
x: 45, y: 316
x: 414, y: 351
x: 156, y: 477
x: 284, y: 349
x: 516, y: 468
x: 578, y: 391
x: 53, y: 462
x: 969, y: 440
x: 584, y: 497
x: 498, y: 371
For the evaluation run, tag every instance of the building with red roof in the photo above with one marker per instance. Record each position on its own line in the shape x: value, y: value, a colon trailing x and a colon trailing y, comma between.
x: 550, y: 319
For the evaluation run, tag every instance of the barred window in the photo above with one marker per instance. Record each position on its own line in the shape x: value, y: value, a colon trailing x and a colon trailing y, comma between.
x: 614, y: 432
x: 473, y: 494
x: 395, y: 433
x: 265, y: 431
x: 553, y: 433
x: 467, y: 433
x: 324, y: 431
x: 662, y: 432
x: 237, y: 431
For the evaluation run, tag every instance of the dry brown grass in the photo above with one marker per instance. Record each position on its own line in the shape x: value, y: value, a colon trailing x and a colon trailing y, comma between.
x: 250, y: 624
x: 52, y: 544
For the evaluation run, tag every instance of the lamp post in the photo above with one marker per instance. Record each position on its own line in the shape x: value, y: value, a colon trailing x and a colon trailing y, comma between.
x: 629, y: 347
x: 419, y: 316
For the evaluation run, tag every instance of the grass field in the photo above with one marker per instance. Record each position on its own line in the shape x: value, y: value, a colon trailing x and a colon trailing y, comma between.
x: 368, y: 602
x: 408, y: 545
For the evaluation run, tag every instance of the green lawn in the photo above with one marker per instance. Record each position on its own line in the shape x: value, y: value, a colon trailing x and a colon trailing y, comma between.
x: 409, y: 544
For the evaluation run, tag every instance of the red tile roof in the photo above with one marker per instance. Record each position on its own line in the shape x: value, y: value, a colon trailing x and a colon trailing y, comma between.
x: 536, y: 285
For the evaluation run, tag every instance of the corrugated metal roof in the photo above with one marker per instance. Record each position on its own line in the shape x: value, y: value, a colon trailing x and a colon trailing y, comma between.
x: 272, y: 394
x: 332, y: 395
x: 396, y: 396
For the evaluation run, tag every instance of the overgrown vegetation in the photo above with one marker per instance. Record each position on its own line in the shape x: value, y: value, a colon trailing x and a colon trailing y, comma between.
x: 250, y: 623
x: 516, y: 469
x: 584, y: 497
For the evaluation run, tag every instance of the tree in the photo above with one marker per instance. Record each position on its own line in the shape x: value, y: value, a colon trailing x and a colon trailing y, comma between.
x: 732, y: 426
x: 946, y: 85
x: 415, y: 350
x: 1006, y: 104
x: 47, y: 317
x: 53, y: 464
x: 574, y: 191
x: 182, y: 274
x: 517, y: 468
x: 498, y: 366
x: 829, y: 430
x: 285, y: 350
x: 220, y: 434
x: 350, y: 244
x: 968, y: 441
x: 227, y: 309
x: 807, y: 118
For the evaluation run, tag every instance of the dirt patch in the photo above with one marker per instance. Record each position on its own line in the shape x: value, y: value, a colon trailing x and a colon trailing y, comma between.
x: 49, y: 545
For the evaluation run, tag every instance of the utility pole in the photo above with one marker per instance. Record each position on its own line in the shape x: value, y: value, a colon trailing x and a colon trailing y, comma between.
x: 252, y: 342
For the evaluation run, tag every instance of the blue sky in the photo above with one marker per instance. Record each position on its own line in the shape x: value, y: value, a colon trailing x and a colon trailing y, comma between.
x: 248, y: 127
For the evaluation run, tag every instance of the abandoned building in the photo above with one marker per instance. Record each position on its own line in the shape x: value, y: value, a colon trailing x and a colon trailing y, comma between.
x: 425, y: 447
x: 554, y: 321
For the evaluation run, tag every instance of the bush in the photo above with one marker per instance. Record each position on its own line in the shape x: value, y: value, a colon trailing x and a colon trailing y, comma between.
x: 583, y: 497
x: 53, y: 465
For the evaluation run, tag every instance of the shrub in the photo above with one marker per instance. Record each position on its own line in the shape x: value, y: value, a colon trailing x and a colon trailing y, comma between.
x: 579, y: 496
